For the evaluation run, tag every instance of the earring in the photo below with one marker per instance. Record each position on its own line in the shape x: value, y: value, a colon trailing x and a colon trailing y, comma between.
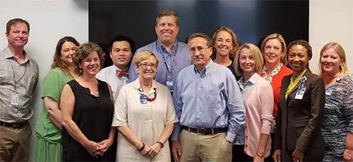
x: 80, y: 70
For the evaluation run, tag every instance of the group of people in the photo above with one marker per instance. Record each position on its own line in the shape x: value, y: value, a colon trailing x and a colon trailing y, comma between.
x: 208, y: 100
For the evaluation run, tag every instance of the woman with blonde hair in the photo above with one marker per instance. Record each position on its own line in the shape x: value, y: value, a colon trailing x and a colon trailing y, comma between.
x: 337, y: 125
x: 144, y: 115
x: 274, y: 50
x: 258, y: 104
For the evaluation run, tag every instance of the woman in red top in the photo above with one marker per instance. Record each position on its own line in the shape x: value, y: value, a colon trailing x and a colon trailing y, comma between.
x: 274, y: 51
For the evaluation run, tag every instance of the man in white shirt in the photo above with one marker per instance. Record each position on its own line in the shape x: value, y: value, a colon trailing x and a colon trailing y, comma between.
x: 116, y: 75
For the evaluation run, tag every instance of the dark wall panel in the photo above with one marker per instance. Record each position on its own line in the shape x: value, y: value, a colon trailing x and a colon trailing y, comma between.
x: 250, y: 19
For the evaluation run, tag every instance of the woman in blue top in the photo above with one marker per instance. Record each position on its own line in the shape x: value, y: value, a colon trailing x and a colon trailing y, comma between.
x: 337, y: 126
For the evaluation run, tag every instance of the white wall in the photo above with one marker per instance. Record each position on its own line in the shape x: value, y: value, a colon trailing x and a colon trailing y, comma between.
x: 331, y: 20
x: 49, y: 20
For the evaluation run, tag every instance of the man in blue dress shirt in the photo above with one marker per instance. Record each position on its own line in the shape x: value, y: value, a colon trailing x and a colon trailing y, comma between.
x: 173, y: 55
x: 208, y: 104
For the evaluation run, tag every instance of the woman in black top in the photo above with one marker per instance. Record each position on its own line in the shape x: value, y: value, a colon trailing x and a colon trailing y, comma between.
x: 87, y: 111
x: 226, y: 45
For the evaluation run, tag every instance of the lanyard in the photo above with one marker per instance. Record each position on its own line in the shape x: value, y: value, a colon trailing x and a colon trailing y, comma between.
x: 13, y: 74
x: 159, y: 49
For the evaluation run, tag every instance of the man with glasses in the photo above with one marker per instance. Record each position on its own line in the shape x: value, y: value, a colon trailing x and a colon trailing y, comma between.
x: 208, y: 104
x: 173, y: 55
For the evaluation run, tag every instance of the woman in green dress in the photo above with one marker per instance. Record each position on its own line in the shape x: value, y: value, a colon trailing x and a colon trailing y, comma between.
x: 48, y: 127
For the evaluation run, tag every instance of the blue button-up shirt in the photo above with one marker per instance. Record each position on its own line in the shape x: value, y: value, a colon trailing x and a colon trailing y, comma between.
x: 245, y: 88
x: 170, y: 63
x: 210, y: 99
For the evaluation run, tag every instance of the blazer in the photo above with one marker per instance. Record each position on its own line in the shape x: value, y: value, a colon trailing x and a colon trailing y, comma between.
x: 299, y: 120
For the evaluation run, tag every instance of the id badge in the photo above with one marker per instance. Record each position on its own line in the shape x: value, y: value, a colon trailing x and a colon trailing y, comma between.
x: 170, y: 84
x: 15, y: 99
x: 300, y: 93
x: 328, y: 92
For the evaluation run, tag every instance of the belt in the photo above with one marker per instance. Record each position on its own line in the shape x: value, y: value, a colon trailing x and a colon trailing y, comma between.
x: 205, y: 131
x: 13, y: 125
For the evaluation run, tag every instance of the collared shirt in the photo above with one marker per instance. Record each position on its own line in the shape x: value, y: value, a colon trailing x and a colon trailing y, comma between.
x: 168, y: 57
x: 170, y: 63
x: 258, y: 102
x: 210, y: 99
x: 244, y: 88
x: 108, y: 75
x: 16, y: 81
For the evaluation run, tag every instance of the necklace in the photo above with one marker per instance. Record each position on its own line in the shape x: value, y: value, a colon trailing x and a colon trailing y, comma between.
x: 145, y: 98
x: 274, y: 72
x: 95, y: 92
x: 91, y: 85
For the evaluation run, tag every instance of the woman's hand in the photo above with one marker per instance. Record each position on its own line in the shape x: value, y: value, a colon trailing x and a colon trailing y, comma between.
x: 297, y: 155
x: 258, y: 159
x: 348, y: 155
x: 92, y: 148
x: 145, y: 151
x: 154, y: 150
x: 277, y: 155
x: 103, y: 146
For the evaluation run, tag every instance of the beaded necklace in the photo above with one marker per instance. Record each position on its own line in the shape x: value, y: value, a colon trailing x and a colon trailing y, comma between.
x: 274, y: 72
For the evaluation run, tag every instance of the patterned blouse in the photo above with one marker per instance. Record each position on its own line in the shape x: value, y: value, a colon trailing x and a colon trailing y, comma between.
x: 338, y: 117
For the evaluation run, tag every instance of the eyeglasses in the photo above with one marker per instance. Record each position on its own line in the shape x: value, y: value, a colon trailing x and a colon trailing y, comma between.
x: 145, y: 65
x: 198, y: 48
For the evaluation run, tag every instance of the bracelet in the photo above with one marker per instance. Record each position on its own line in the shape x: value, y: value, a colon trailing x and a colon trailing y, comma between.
x: 142, y: 147
x: 161, y: 143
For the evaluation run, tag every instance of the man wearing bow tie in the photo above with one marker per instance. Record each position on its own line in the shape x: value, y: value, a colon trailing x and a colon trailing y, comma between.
x: 116, y: 75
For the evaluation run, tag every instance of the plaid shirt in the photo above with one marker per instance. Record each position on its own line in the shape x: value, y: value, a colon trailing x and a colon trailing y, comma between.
x: 16, y: 78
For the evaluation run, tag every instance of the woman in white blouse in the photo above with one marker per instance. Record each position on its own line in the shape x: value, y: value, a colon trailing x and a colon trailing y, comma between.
x: 144, y: 115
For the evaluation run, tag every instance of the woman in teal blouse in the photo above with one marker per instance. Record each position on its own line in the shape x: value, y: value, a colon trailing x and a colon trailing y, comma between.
x: 48, y: 127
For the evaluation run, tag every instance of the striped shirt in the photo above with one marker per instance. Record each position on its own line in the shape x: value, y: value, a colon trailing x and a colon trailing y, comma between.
x: 17, y: 84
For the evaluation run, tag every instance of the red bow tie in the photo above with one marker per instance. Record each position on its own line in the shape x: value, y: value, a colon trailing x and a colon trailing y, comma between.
x: 121, y: 73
